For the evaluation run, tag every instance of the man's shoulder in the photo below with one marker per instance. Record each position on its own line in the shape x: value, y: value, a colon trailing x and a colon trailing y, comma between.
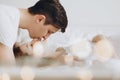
x: 9, y: 13
x: 3, y: 6
x: 7, y: 9
x: 9, y: 21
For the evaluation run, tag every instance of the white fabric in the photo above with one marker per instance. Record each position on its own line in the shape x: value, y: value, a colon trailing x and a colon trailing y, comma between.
x: 9, y: 22
x: 23, y: 36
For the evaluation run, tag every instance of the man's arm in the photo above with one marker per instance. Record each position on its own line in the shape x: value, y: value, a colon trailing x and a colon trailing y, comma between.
x: 6, y: 55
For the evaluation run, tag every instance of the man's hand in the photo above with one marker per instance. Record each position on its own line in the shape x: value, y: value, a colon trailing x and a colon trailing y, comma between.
x: 6, y: 55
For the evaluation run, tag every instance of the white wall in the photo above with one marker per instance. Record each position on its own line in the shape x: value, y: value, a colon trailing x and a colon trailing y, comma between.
x: 102, y: 16
x: 19, y: 3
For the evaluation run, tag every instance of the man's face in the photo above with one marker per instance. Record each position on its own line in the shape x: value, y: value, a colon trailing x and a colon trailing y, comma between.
x: 39, y: 30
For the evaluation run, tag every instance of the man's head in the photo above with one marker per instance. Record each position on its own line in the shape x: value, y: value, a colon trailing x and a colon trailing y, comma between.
x: 50, y: 16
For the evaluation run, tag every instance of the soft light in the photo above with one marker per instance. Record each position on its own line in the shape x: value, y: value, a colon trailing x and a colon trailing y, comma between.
x: 38, y: 49
x: 103, y: 50
x: 85, y: 75
x: 82, y: 49
x: 4, y: 76
x: 27, y: 73
x: 69, y: 59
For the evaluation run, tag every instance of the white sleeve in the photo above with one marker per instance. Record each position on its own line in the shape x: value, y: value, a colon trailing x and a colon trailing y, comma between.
x: 8, y: 33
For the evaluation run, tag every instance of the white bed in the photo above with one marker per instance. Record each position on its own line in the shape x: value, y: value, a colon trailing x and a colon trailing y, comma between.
x: 99, y: 71
x: 52, y: 70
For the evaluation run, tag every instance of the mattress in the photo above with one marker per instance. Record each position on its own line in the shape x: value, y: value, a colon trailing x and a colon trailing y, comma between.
x: 29, y: 68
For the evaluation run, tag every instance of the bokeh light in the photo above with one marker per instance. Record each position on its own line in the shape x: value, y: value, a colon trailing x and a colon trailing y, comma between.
x: 69, y: 59
x: 27, y: 73
x: 82, y: 49
x: 85, y: 75
x: 4, y: 76
x: 103, y: 50
x: 38, y: 49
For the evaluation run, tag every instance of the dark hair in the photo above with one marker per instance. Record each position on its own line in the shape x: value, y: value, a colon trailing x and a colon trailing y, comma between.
x: 54, y: 12
x: 17, y: 52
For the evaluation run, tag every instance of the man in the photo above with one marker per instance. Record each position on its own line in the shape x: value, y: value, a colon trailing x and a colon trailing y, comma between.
x: 41, y: 20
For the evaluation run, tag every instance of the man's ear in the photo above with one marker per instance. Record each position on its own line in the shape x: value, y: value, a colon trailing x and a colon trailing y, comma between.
x: 40, y: 18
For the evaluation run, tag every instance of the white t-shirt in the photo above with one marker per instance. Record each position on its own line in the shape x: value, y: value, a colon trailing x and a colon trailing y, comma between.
x: 9, y: 23
x: 23, y: 36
